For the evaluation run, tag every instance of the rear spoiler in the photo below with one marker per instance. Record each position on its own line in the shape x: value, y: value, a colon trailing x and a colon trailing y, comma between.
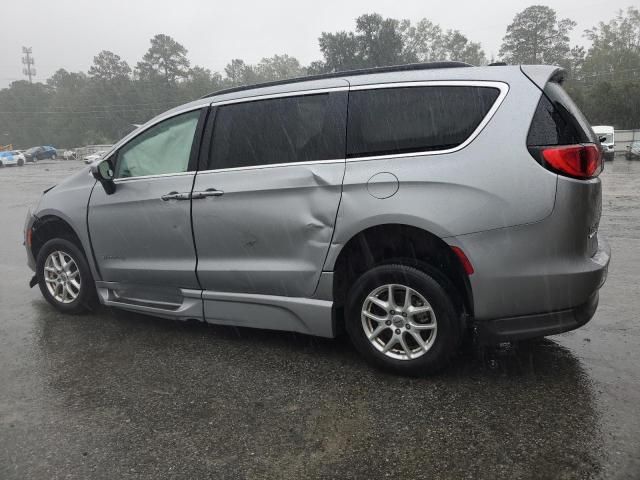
x: 541, y: 74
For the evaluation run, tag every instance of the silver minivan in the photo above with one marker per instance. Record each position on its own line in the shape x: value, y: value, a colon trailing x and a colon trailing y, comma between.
x: 406, y: 205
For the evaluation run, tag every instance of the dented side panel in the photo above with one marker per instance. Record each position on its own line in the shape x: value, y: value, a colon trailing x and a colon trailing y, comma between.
x: 491, y: 183
x: 270, y: 231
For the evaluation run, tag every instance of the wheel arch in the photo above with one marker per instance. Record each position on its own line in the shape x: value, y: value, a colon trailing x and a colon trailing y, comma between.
x: 393, y: 243
x: 50, y: 226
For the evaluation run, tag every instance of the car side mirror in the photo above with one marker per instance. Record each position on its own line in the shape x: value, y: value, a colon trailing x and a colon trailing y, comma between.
x: 602, y: 139
x: 103, y: 172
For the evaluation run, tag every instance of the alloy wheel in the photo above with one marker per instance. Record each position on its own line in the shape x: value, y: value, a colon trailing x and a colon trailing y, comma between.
x: 399, y: 321
x: 62, y: 277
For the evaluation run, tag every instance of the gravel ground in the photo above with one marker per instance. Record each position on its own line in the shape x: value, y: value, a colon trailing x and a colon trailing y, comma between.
x: 118, y: 395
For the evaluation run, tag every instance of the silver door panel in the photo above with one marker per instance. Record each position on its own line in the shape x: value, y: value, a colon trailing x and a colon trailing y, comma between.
x: 270, y: 231
x: 141, y: 239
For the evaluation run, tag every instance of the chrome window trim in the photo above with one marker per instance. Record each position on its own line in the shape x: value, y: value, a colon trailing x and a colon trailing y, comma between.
x: 272, y: 165
x: 501, y: 86
x: 149, y: 177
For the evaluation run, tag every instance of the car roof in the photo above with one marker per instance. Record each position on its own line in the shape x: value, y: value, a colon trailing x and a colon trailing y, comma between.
x: 363, y: 71
x: 407, y: 73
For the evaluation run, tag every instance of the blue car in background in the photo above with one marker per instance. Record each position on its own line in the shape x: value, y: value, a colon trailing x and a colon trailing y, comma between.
x: 40, y: 153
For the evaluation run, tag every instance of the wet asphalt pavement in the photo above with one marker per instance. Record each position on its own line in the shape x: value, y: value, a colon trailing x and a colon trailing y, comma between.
x: 118, y: 395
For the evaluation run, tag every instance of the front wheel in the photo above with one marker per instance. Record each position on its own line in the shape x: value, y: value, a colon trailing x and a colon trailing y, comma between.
x: 54, y: 156
x: 20, y: 162
x: 64, y: 276
x: 401, y: 319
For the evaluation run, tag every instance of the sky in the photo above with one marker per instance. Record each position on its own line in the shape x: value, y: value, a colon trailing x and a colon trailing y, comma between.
x: 69, y: 33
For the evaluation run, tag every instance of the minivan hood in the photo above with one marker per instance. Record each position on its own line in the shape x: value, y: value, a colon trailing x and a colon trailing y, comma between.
x: 82, y: 176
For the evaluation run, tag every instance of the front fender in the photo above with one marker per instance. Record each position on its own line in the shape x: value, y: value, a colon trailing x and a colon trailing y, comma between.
x: 69, y: 202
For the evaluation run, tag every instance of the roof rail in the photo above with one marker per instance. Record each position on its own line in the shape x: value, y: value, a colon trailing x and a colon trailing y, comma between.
x: 346, y: 73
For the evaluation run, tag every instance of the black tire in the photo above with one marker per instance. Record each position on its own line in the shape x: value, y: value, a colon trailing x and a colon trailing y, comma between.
x: 448, y: 334
x: 86, y: 298
x: 20, y: 162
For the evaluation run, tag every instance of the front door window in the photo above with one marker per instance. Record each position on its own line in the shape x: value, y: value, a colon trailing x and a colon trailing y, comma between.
x: 163, y: 149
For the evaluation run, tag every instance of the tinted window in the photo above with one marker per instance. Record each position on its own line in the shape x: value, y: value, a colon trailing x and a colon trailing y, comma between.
x: 412, y: 119
x: 281, y: 130
x: 164, y: 148
x: 558, y: 121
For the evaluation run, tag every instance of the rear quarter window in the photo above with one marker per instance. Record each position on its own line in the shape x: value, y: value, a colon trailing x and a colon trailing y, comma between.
x: 387, y: 121
x: 558, y: 121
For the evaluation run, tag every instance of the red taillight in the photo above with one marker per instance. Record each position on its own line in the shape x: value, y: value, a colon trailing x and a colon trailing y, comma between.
x: 466, y: 264
x: 578, y: 161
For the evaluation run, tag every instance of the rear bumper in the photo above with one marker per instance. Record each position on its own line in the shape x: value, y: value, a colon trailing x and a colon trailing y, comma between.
x: 522, y: 327
x: 538, y: 325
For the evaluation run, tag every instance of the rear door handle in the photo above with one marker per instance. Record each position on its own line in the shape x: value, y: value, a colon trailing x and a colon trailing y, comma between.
x: 176, y: 196
x: 209, y: 192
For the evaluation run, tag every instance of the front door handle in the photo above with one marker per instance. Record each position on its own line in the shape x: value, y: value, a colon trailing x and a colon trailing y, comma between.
x: 209, y: 192
x: 176, y: 196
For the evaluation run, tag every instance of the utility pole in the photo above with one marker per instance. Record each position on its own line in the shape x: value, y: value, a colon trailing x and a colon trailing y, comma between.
x: 28, y: 62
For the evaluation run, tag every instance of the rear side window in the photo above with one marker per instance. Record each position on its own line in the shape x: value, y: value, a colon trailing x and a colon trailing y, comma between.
x: 558, y: 121
x: 390, y: 121
x: 280, y: 130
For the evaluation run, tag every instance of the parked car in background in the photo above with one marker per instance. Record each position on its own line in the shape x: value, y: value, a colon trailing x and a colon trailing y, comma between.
x: 606, y: 133
x: 268, y: 206
x: 19, y: 156
x: 41, y: 153
x: 94, y: 156
x: 633, y: 151
x: 11, y: 158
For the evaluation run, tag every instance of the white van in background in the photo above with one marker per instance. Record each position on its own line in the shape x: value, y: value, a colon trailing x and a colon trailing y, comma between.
x: 608, y: 146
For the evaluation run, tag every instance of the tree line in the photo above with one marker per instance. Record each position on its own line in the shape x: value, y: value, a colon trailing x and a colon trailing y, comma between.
x: 103, y: 104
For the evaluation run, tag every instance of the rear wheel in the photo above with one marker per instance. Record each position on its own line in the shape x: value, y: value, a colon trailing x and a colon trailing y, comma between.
x: 401, y: 319
x: 64, y: 276
x: 20, y: 162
